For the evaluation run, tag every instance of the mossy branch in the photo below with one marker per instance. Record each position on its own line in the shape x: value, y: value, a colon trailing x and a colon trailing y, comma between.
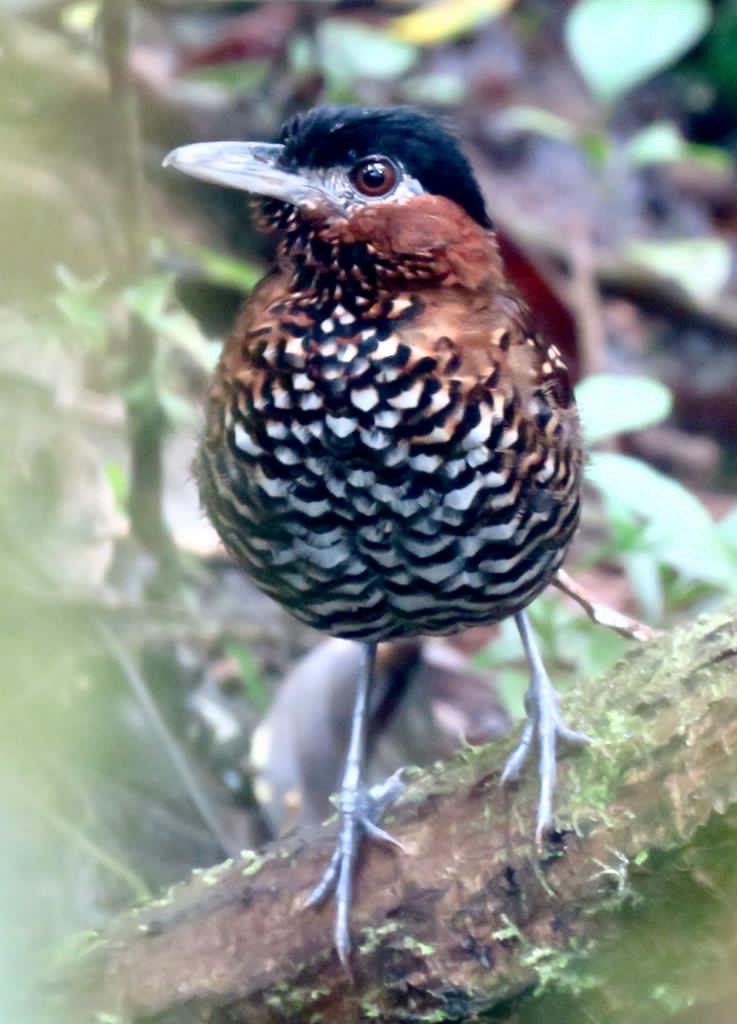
x: 629, y: 915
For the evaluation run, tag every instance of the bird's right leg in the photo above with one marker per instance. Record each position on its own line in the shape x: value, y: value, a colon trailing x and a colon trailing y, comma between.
x: 544, y: 728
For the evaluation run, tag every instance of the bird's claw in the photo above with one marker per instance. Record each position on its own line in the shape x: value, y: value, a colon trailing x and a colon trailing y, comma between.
x: 544, y: 729
x: 359, y: 812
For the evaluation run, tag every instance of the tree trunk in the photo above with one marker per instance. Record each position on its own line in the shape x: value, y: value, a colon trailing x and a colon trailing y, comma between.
x: 628, y: 914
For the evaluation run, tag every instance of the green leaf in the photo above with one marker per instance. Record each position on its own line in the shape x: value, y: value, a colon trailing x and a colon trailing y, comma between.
x: 351, y: 49
x: 711, y: 157
x: 436, y: 88
x: 538, y: 121
x: 80, y: 17
x: 701, y: 266
x: 596, y: 145
x: 119, y: 483
x: 435, y: 23
x: 150, y: 298
x: 643, y: 574
x: 617, y: 44
x: 662, y: 142
x: 728, y: 530
x: 659, y: 142
x: 176, y: 409
x: 611, y: 405
x: 251, y: 674
x: 678, y: 530
x: 82, y: 303
x: 242, y: 76
x: 226, y: 270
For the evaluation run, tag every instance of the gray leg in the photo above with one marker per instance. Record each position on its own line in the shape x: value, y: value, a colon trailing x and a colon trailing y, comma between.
x: 544, y: 727
x: 358, y: 814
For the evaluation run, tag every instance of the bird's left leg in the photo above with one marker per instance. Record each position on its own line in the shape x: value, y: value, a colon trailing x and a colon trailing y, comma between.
x: 544, y: 728
x: 359, y: 813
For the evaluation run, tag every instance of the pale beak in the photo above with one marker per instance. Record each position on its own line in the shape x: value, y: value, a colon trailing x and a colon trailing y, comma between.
x: 249, y: 166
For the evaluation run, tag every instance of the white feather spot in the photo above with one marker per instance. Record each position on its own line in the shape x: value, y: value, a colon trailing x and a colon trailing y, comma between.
x: 300, y: 432
x: 336, y: 486
x: 245, y: 442
x: 294, y: 350
x: 410, y: 602
x: 286, y: 456
x: 327, y: 558
x: 509, y: 437
x: 436, y: 572
x: 496, y: 480
x: 361, y: 478
x: 387, y: 418
x: 425, y: 548
x: 482, y: 431
x: 310, y: 401
x: 382, y: 492
x: 462, y: 498
x: 399, y: 305
x: 438, y: 435
x: 341, y: 426
x: 277, y: 429
x: 310, y: 508
x: 272, y: 486
x: 439, y: 400
x: 374, y: 438
x: 387, y: 558
x: 453, y: 467
x: 365, y: 398
x: 408, y: 398
x: 425, y: 463
x: 328, y: 348
x: 386, y: 348
x: 477, y: 456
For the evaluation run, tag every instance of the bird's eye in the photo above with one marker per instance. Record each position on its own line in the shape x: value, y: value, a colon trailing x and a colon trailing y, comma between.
x: 374, y: 176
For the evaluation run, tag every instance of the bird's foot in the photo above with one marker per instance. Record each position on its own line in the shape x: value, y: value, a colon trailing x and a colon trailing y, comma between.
x: 360, y: 811
x: 544, y: 729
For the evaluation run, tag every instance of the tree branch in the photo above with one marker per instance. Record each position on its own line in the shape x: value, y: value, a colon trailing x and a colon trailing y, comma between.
x: 624, y: 912
x: 146, y: 417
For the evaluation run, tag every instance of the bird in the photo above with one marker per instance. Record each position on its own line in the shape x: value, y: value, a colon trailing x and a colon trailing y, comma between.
x: 391, y: 448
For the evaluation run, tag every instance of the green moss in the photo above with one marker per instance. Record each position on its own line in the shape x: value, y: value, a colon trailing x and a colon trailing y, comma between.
x: 294, y: 1001
x: 252, y: 862
x: 370, y: 1011
x: 371, y: 937
x: 415, y: 946
x: 509, y: 932
x: 211, y: 876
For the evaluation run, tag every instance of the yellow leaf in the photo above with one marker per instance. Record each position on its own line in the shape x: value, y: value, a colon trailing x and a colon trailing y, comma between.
x: 435, y: 22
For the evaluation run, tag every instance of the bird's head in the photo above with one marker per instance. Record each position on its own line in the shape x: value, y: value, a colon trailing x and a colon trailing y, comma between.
x: 390, y: 179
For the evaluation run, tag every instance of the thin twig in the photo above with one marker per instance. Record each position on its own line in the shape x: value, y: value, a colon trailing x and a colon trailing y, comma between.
x: 141, y: 691
x: 601, y: 614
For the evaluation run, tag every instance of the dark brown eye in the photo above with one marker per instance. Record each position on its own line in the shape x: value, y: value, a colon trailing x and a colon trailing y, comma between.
x: 374, y: 176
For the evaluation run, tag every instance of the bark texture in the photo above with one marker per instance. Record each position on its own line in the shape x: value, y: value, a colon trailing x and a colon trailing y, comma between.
x: 629, y: 914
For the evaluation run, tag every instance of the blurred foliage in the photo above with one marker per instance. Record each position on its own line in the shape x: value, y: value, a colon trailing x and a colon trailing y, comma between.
x: 616, y: 44
x: 436, y: 23
x: 97, y: 811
